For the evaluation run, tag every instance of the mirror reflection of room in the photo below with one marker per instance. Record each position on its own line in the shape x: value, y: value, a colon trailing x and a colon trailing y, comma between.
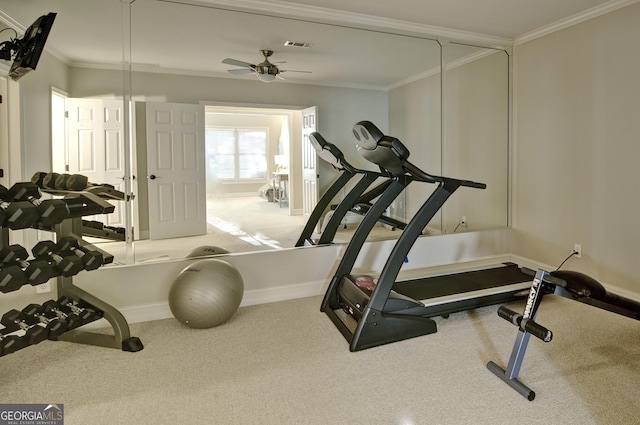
x: 406, y: 94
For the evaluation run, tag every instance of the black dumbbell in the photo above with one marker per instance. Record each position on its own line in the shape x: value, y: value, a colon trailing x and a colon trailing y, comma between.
x: 34, y: 334
x: 60, y: 182
x: 55, y: 327
x: 49, y: 181
x: 10, y: 344
x: 12, y: 278
x: 67, y: 265
x: 90, y: 259
x: 16, y: 215
x: 36, y: 271
x: 52, y: 307
x: 38, y: 178
x: 73, y: 182
x: 52, y: 211
x: 77, y: 182
x: 85, y: 314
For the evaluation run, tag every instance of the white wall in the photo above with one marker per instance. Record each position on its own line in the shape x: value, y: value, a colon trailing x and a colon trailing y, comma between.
x: 576, y: 173
x: 35, y: 95
x: 475, y: 147
x: 474, y: 144
x: 415, y: 119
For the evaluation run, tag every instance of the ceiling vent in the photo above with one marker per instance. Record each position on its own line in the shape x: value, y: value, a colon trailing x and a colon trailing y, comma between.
x: 297, y: 44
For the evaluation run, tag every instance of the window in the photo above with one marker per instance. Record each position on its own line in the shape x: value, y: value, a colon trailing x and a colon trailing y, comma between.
x: 237, y: 154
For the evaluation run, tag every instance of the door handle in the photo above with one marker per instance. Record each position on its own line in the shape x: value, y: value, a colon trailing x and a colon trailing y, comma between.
x: 152, y: 177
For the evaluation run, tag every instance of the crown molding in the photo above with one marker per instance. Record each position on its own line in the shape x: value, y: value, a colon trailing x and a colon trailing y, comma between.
x: 11, y: 23
x: 317, y: 14
x: 363, y: 21
x: 578, y: 18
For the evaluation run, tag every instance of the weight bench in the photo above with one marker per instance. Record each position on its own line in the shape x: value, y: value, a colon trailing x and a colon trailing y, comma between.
x: 568, y: 284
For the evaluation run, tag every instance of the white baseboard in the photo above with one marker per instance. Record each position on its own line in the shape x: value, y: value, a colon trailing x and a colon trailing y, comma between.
x: 160, y: 311
x: 283, y: 293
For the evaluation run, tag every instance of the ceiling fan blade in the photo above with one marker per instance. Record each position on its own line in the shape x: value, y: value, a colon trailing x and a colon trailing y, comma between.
x: 240, y: 71
x: 290, y: 70
x: 236, y: 62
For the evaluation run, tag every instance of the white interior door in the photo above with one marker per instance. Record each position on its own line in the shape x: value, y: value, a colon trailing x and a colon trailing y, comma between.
x: 96, y: 146
x: 309, y: 161
x: 176, y: 170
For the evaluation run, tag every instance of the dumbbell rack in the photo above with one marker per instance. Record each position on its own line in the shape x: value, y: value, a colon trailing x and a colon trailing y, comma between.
x: 121, y: 337
x: 82, y: 204
x: 95, y: 193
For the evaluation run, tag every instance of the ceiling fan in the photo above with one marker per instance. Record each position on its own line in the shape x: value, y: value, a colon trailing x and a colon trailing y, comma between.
x: 265, y: 70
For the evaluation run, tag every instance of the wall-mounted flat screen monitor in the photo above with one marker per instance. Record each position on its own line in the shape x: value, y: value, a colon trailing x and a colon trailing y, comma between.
x: 31, y: 46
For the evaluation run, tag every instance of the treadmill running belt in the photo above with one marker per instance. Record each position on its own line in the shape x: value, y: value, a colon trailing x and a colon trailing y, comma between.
x: 439, y: 286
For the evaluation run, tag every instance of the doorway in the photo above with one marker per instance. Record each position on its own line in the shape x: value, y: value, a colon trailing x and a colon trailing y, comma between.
x: 246, y: 149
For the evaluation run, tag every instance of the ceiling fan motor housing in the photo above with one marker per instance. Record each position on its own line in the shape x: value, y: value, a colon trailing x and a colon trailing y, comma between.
x: 267, y: 67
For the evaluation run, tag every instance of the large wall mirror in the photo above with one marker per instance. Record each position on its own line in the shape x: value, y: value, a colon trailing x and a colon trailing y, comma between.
x: 447, y: 102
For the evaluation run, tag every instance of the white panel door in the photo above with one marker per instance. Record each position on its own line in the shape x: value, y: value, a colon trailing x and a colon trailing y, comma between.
x: 176, y: 170
x: 309, y: 161
x: 96, y: 146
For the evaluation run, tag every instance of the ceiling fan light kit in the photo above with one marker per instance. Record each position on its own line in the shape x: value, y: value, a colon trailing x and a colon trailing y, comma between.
x: 266, y: 78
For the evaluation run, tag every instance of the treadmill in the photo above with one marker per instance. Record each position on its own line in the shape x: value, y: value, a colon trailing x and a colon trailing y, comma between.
x: 355, y: 201
x: 372, y: 311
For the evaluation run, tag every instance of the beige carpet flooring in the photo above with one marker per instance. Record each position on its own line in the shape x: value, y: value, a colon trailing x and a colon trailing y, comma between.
x: 285, y: 363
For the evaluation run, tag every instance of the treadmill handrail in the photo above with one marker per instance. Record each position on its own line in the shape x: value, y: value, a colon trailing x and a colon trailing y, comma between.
x: 422, y: 176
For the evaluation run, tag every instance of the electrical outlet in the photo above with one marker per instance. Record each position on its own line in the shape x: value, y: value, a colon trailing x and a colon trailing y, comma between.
x: 578, y: 249
x: 463, y: 221
x: 43, y: 288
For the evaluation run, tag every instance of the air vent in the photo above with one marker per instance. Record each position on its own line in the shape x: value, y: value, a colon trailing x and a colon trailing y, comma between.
x: 297, y: 44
